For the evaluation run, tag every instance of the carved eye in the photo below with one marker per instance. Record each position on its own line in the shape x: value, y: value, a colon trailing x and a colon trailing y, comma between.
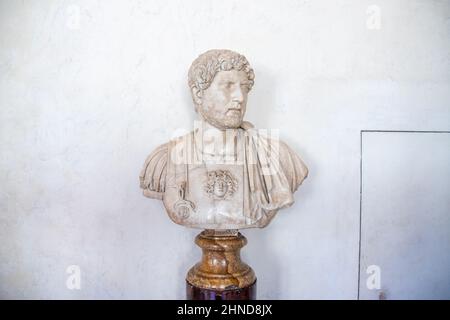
x: 245, y: 86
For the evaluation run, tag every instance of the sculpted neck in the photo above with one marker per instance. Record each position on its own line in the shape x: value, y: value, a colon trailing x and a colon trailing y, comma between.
x: 215, y: 141
x: 207, y: 126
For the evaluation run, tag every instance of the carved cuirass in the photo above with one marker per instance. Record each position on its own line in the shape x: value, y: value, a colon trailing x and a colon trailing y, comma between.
x: 239, y: 186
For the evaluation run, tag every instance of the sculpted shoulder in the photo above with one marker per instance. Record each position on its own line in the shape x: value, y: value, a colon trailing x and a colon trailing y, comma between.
x: 290, y: 162
x: 153, y: 174
x: 293, y: 166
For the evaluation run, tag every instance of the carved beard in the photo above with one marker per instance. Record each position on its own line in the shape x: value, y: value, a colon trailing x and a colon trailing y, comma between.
x: 223, y: 120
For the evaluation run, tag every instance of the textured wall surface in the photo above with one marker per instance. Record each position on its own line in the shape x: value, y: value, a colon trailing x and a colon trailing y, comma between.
x: 89, y: 88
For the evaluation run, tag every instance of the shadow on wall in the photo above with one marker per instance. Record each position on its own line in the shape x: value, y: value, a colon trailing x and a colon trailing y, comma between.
x: 261, y: 256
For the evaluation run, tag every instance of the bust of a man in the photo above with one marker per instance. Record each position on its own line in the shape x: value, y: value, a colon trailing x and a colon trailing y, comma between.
x: 224, y: 174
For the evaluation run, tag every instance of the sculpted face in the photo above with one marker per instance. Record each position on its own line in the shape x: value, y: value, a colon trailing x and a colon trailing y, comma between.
x: 225, y: 100
x: 220, y: 188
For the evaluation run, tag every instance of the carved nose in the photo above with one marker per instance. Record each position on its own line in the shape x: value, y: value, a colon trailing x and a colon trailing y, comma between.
x: 237, y: 95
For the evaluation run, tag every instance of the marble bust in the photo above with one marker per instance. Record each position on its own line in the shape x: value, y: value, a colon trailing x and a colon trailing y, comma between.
x: 225, y: 174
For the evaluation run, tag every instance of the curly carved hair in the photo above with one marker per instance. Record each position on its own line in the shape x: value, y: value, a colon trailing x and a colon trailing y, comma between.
x: 207, y: 65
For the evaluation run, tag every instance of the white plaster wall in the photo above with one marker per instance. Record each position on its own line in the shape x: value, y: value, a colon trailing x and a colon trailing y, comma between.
x: 89, y: 88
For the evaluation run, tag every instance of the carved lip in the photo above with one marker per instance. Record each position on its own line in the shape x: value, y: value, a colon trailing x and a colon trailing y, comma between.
x: 233, y: 110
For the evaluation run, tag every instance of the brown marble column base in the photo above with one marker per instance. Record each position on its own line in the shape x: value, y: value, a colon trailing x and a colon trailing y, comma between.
x: 221, y: 275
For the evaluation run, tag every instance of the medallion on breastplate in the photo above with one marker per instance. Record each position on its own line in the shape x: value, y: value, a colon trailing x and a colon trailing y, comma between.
x: 220, y: 184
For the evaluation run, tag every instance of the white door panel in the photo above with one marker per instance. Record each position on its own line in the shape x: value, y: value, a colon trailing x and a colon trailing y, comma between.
x: 405, y: 215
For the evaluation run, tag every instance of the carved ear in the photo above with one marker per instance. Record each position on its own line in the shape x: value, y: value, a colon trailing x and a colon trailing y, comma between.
x: 196, y: 95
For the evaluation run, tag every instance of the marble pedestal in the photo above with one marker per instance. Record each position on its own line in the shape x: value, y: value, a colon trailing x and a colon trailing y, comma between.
x: 221, y: 275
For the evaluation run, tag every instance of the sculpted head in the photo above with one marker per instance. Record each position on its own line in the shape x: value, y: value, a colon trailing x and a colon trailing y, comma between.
x: 220, y: 81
